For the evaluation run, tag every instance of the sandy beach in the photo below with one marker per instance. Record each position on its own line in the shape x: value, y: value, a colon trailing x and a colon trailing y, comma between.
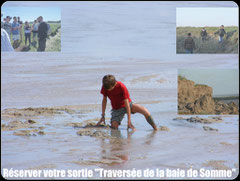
x: 52, y: 139
x: 50, y: 102
x: 65, y: 138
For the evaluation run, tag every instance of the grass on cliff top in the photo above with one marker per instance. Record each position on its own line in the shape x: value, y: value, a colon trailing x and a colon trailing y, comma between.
x: 180, y: 77
x: 201, y: 85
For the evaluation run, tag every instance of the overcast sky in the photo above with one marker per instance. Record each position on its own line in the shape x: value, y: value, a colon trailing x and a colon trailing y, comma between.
x: 199, y: 17
x: 223, y: 81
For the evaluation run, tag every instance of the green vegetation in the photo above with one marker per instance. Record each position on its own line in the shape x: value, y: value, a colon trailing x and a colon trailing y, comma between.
x: 53, y: 40
x: 211, y: 45
x: 54, y: 43
x: 180, y: 77
x: 200, y: 85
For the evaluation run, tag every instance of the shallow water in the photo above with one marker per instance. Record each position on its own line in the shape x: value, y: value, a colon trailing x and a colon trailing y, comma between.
x: 136, y: 42
x: 185, y: 146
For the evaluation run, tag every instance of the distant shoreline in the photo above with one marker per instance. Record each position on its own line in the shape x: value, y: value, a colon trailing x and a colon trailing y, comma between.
x: 225, y: 97
x: 228, y: 99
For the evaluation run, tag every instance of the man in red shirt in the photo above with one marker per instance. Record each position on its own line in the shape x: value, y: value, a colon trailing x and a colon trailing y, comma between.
x: 121, y: 103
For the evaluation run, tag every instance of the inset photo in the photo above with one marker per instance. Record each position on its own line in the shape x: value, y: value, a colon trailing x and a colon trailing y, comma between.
x: 208, y: 91
x: 30, y: 29
x: 207, y: 30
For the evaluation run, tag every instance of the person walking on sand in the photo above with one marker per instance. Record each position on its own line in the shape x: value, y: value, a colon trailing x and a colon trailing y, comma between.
x: 221, y: 32
x: 15, y: 33
x: 189, y: 44
x: 121, y: 103
x: 27, y: 32
x: 42, y: 34
x: 203, y: 34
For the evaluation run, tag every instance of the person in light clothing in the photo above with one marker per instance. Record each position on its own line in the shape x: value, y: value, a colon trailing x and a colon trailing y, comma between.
x: 6, y: 45
x: 15, y: 33
x: 5, y: 42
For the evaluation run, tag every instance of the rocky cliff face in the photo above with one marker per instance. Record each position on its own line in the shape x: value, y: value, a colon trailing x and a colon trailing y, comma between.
x: 197, y: 99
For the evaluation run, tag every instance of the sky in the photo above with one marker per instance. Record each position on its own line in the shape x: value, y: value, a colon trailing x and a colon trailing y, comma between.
x: 223, y: 81
x: 31, y: 13
x: 199, y: 17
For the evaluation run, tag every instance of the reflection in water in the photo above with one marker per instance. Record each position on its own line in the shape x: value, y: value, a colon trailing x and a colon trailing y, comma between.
x: 150, y: 137
x: 117, y: 149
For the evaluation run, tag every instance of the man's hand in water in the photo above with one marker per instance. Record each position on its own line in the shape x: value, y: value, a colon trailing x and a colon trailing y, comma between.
x: 131, y: 127
x: 100, y: 121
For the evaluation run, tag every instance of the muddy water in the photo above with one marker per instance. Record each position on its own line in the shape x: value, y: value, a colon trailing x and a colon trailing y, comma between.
x: 184, y: 145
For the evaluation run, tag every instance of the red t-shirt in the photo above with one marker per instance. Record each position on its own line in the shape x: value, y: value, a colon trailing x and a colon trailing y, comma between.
x: 117, y: 95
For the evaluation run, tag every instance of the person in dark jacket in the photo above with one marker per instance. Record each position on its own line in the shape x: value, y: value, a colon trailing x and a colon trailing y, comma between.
x: 221, y: 32
x: 189, y: 44
x: 42, y: 34
x: 203, y: 34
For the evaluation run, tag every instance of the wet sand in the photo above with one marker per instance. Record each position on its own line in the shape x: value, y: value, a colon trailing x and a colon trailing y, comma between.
x: 52, y: 97
x: 66, y: 137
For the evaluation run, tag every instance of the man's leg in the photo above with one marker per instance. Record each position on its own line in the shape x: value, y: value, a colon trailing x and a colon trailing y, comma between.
x: 25, y: 39
x: 44, y: 44
x: 142, y: 110
x: 40, y: 45
x: 14, y: 44
x: 220, y: 39
x: 29, y: 39
x: 17, y: 43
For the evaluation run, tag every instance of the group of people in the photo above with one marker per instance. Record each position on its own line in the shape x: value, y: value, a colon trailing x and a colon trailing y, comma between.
x: 38, y: 30
x: 189, y: 44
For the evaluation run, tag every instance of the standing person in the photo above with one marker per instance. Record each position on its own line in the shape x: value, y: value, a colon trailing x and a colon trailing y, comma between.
x: 35, y: 31
x: 20, y: 28
x: 27, y: 32
x: 15, y: 32
x: 7, y: 25
x: 42, y: 34
x: 203, y: 34
x: 189, y: 44
x: 221, y: 32
x: 5, y: 42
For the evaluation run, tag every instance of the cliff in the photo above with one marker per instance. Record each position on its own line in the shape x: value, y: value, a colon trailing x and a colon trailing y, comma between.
x: 197, y: 99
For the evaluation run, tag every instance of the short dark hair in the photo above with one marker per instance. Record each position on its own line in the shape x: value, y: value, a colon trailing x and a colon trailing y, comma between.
x: 189, y: 34
x: 108, y: 81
